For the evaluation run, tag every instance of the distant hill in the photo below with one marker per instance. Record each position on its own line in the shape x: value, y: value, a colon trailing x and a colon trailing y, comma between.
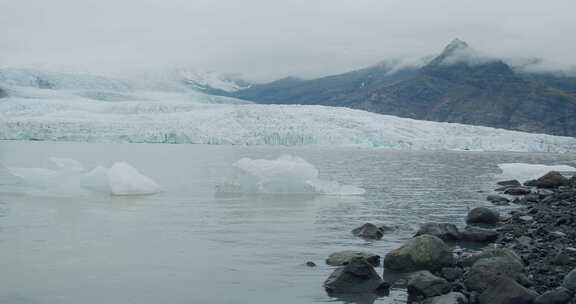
x: 459, y: 85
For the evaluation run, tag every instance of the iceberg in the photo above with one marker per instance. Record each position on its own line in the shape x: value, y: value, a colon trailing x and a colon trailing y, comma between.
x: 71, y: 177
x: 285, y: 175
x: 158, y: 112
x: 525, y: 172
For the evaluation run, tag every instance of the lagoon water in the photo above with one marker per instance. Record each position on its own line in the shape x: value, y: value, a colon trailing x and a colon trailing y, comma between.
x: 188, y: 244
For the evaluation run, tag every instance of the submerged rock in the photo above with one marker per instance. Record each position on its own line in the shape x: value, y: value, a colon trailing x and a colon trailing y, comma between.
x: 444, y: 231
x: 425, y: 252
x: 479, y: 235
x: 342, y: 258
x: 504, y: 290
x: 358, y: 276
x: 482, y: 215
x: 552, y: 179
x: 517, y: 191
x: 425, y: 284
x: 497, y: 199
x: 368, y: 231
x: 512, y: 183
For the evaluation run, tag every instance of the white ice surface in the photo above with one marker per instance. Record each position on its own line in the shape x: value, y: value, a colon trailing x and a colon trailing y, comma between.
x: 159, y: 113
x: 71, y: 177
x: 285, y: 175
x: 524, y: 172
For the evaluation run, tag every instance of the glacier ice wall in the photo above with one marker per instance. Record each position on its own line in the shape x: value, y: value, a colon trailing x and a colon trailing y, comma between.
x: 147, y: 115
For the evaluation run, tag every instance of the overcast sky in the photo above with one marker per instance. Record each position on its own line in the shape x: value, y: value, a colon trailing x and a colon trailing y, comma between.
x: 265, y: 39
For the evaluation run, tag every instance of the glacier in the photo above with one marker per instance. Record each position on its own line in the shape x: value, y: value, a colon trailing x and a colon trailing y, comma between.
x: 80, y: 107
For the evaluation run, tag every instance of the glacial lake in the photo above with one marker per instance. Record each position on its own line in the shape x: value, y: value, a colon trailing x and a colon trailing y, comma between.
x: 188, y: 244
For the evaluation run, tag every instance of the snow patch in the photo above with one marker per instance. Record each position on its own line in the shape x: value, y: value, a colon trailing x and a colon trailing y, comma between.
x: 525, y: 172
x: 285, y: 175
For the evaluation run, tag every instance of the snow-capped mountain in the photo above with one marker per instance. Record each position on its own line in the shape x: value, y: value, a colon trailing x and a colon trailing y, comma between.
x: 211, y: 81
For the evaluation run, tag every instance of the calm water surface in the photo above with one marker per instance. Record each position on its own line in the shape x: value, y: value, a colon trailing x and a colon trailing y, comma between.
x: 189, y: 245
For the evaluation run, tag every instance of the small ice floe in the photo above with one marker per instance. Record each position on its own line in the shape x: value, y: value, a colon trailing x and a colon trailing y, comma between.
x: 284, y: 175
x: 525, y: 172
x: 70, y: 176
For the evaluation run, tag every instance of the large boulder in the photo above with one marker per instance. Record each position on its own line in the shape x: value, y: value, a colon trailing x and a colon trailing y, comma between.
x: 550, y: 180
x: 491, y: 253
x: 368, y: 231
x: 478, y: 235
x: 342, y: 258
x: 504, y: 290
x: 424, y: 284
x: 449, y: 298
x: 358, y: 276
x: 487, y: 270
x: 444, y: 231
x: 559, y: 295
x: 425, y: 252
x: 482, y: 215
x: 570, y: 280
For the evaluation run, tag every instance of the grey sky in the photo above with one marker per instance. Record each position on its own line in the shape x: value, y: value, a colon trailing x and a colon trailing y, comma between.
x: 264, y: 39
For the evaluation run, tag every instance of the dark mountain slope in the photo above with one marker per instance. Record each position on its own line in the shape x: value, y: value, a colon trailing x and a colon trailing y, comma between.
x: 459, y: 86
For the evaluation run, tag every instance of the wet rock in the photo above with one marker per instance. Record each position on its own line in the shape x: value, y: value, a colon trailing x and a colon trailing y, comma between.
x: 368, y: 231
x: 449, y: 298
x: 551, y: 179
x: 425, y: 252
x: 490, y: 253
x: 504, y: 290
x: 424, y: 284
x: 512, y: 182
x: 557, y: 296
x: 479, y: 235
x: 356, y: 277
x: 497, y: 199
x: 342, y: 258
x: 487, y: 270
x: 481, y: 215
x: 452, y: 273
x: 570, y: 280
x: 446, y: 232
x: 517, y: 191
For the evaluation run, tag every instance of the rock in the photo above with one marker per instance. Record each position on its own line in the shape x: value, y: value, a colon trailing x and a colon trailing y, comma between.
x: 558, y: 234
x: 425, y: 284
x: 517, y: 191
x: 342, y: 258
x: 449, y: 298
x: 3, y: 93
x: 310, y: 264
x: 356, y: 277
x: 570, y: 280
x: 451, y: 273
x: 491, y: 253
x: 446, y: 232
x: 487, y: 270
x: 481, y: 215
x: 512, y: 182
x: 480, y: 235
x: 425, y: 252
x: 497, y: 199
x: 504, y: 290
x: 561, y: 259
x: 368, y: 231
x: 524, y: 241
x: 526, y: 218
x: 559, y: 295
x: 551, y: 180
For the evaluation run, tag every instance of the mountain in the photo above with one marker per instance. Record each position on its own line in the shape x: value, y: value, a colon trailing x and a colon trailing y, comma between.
x: 460, y: 85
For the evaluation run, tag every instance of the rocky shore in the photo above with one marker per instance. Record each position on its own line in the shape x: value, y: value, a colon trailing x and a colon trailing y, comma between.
x: 528, y: 255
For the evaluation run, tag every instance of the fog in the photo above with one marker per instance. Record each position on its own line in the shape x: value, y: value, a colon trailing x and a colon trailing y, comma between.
x: 265, y: 39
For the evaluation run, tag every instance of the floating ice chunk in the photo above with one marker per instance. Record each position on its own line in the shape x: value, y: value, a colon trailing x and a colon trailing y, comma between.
x: 71, y: 177
x: 284, y: 175
x: 126, y: 180
x: 524, y: 172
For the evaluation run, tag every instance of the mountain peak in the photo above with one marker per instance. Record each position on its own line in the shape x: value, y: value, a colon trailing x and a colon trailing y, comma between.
x: 455, y: 45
